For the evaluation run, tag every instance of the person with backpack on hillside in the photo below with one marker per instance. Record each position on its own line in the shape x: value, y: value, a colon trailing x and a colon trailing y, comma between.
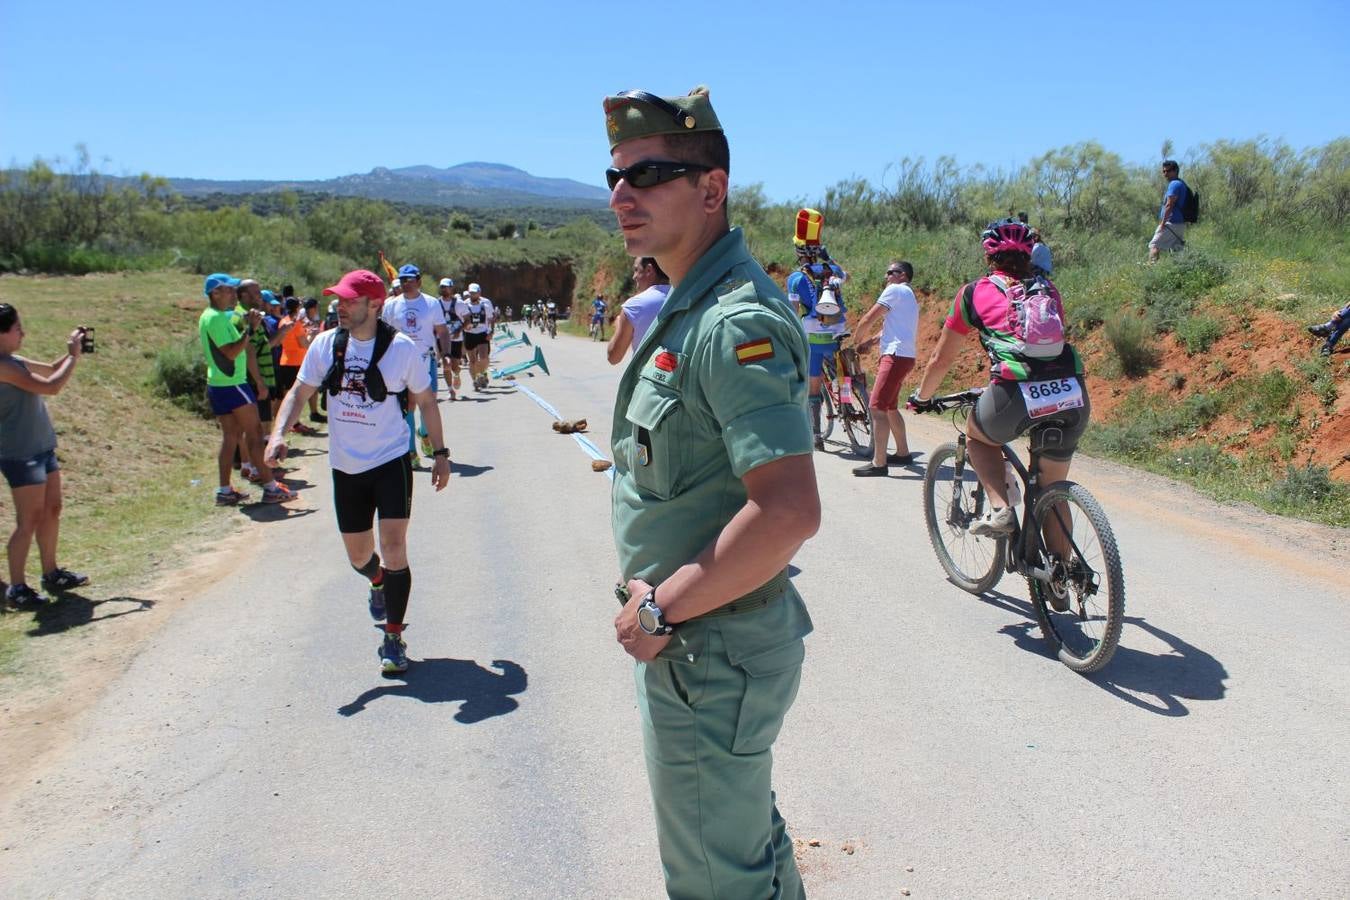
x: 1177, y: 198
x: 814, y: 291
x: 364, y: 365
x: 1036, y: 376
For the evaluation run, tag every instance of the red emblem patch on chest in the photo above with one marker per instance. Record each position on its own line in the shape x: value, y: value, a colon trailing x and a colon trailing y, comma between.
x: 666, y: 361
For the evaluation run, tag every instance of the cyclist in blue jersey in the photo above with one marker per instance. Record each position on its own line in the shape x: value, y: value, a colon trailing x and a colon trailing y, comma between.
x: 598, y: 309
x: 805, y: 288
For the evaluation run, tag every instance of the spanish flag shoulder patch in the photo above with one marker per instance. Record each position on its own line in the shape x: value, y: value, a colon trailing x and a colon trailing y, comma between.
x: 754, y: 351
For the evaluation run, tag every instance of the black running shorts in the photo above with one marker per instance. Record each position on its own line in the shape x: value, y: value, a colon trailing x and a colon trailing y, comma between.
x: 456, y: 349
x: 472, y: 340
x: 387, y: 488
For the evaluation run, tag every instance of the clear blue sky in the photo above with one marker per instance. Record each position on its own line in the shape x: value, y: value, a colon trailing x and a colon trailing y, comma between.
x: 808, y: 95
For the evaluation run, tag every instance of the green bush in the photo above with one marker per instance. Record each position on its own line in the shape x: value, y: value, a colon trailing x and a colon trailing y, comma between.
x: 180, y: 374
x: 1269, y: 398
x: 1311, y: 486
x: 1198, y: 333
x: 1191, y: 273
x: 1131, y: 338
x: 1167, y: 309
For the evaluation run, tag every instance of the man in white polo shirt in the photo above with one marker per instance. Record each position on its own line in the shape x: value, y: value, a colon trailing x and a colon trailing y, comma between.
x: 638, y: 311
x: 419, y: 317
x: 362, y: 365
x: 478, y: 314
x: 898, y: 310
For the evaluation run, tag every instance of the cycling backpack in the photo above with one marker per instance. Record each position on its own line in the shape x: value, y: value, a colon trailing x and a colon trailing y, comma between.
x: 375, y: 387
x: 1190, y: 210
x: 1034, y: 329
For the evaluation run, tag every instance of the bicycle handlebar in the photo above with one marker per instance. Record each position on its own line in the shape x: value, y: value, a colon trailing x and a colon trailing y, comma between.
x: 944, y: 402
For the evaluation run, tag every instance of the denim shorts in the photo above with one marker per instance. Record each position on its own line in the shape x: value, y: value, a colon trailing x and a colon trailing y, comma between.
x: 28, y: 472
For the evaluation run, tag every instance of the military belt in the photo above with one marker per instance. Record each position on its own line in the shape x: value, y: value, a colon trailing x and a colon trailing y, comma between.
x: 759, y: 598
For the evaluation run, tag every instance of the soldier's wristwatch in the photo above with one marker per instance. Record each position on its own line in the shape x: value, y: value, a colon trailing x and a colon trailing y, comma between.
x: 650, y: 618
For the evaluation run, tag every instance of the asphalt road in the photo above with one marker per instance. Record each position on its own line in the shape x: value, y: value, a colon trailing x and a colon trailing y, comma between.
x: 252, y: 749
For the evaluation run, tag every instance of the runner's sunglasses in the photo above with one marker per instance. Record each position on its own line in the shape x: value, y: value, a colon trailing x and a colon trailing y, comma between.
x: 650, y: 173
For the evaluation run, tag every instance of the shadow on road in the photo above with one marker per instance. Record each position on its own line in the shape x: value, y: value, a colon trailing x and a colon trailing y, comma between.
x: 1156, y: 682
x: 71, y: 610
x: 273, y: 512
x: 484, y: 693
x: 465, y: 470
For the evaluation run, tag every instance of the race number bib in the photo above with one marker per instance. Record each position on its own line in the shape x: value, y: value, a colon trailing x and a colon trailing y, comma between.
x: 1045, y: 398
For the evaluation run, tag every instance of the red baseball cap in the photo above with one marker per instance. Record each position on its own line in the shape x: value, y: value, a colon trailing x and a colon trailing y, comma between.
x: 360, y: 283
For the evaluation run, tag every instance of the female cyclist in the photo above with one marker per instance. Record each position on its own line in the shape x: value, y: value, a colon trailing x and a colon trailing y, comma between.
x: 1030, y: 384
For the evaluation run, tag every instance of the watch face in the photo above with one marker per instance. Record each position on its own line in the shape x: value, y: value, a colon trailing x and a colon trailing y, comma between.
x: 646, y: 620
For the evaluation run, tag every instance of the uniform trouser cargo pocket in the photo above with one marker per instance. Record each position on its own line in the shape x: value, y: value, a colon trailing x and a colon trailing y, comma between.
x: 771, y: 681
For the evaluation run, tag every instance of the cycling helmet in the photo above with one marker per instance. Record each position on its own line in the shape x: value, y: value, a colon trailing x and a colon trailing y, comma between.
x: 1006, y: 234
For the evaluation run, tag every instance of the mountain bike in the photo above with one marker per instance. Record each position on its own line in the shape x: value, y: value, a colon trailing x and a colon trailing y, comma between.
x: 846, y: 398
x: 552, y: 324
x: 1078, y: 594
x: 597, y: 330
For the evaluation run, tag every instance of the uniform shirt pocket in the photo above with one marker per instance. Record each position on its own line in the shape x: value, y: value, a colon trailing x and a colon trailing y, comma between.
x: 771, y: 681
x: 654, y: 412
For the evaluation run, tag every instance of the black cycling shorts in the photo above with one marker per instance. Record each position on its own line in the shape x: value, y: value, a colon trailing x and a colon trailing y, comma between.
x: 1001, y: 413
x: 456, y: 349
x: 472, y: 340
x: 386, y: 489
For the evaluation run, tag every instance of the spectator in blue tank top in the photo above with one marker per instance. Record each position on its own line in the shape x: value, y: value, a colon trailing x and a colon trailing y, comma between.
x: 1171, y: 232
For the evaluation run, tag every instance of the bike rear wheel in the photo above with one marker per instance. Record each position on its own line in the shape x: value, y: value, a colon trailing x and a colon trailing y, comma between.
x: 952, y: 500
x: 857, y: 421
x: 1091, y: 585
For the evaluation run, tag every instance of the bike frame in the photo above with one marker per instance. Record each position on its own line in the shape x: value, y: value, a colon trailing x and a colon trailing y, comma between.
x: 1026, y: 556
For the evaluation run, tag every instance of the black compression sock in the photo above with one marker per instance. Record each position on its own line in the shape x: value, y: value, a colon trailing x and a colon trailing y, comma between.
x: 371, y: 568
x: 397, y: 586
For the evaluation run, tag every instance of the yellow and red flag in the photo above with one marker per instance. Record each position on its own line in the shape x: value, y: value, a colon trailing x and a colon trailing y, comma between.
x: 754, y: 351
x: 388, y: 267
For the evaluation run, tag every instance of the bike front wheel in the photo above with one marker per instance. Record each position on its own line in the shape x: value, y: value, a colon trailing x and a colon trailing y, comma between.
x: 1081, y: 607
x: 827, y: 413
x: 952, y: 499
x: 857, y: 420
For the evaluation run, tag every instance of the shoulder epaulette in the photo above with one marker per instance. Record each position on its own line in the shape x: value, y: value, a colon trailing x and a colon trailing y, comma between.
x: 737, y: 290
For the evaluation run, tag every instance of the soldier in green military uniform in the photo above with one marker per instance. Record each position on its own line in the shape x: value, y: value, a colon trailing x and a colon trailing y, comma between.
x: 715, y: 490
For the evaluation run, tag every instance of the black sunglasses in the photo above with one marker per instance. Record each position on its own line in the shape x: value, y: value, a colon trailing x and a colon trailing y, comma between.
x: 894, y: 272
x: 650, y: 173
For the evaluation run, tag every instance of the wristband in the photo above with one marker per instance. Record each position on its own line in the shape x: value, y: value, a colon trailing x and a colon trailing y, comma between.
x: 444, y: 451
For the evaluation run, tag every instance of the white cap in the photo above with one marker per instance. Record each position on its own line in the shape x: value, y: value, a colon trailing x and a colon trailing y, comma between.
x: 474, y: 288
x: 447, y: 282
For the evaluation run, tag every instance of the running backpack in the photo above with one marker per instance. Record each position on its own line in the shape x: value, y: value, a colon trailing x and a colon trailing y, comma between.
x: 1190, y: 210
x: 1034, y: 329
x: 374, y: 386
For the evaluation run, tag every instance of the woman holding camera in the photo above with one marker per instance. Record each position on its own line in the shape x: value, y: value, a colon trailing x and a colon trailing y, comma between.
x: 28, y: 457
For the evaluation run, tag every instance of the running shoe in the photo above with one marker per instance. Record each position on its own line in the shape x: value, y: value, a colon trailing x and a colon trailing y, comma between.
x: 820, y: 442
x: 995, y: 522
x: 318, y: 417
x: 426, y: 445
x: 377, y: 602
x: 393, y: 655
x: 230, y: 497
x: 58, y: 580
x: 298, y: 428
x: 278, y: 493
x: 1319, y: 330
x: 24, y: 597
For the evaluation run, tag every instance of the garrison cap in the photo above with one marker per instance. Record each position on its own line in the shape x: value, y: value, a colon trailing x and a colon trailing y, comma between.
x: 635, y: 114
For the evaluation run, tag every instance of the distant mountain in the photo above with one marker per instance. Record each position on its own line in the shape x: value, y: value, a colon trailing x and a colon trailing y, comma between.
x: 471, y: 185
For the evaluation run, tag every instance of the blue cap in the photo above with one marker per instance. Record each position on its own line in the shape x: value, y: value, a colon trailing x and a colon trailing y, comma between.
x: 408, y: 270
x: 269, y: 298
x: 218, y: 279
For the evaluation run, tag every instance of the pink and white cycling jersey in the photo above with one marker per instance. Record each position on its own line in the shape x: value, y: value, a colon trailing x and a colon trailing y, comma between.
x: 991, y: 312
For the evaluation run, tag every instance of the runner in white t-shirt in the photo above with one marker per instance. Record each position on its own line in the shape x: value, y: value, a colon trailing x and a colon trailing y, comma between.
x: 367, y: 435
x: 478, y: 315
x: 898, y: 310
x: 419, y: 317
x: 451, y: 363
x: 638, y: 311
